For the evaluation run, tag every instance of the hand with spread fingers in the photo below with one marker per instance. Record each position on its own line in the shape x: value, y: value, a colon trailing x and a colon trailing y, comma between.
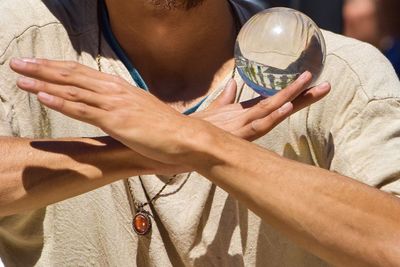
x: 254, y: 118
x: 141, y: 121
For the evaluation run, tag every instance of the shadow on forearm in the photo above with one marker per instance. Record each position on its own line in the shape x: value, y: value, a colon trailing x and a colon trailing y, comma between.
x: 36, y: 176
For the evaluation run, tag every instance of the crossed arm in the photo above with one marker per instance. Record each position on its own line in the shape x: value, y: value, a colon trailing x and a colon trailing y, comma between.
x: 334, y: 217
x: 36, y: 173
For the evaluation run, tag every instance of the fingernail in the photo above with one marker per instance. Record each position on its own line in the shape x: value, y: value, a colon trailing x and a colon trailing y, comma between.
x: 45, y: 97
x: 323, y: 87
x: 305, y: 76
x: 286, y: 107
x: 29, y: 60
x: 27, y: 82
x: 16, y: 62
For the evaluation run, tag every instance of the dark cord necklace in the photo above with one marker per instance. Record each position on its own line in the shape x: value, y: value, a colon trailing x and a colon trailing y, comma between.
x: 141, y: 222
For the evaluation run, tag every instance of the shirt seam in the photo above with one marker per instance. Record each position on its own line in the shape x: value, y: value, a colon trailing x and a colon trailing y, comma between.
x: 354, y: 72
x: 365, y: 178
x: 360, y: 85
x: 39, y: 27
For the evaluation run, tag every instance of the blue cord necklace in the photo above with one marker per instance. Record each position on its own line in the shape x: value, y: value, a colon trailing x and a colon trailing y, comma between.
x: 105, y: 29
x: 141, y: 222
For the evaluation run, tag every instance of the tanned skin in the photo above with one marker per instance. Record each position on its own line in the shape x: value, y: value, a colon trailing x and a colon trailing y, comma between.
x: 332, y: 216
x: 189, y: 63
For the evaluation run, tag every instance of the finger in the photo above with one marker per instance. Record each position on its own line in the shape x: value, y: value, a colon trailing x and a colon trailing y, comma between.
x: 227, y: 96
x: 311, y: 96
x: 270, y: 104
x: 266, y: 124
x: 65, y: 73
x: 79, y: 111
x: 291, y: 91
x: 260, y: 127
x: 67, y: 65
x: 69, y: 93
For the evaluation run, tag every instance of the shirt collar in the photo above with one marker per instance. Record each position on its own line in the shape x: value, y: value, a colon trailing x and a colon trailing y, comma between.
x: 245, y: 9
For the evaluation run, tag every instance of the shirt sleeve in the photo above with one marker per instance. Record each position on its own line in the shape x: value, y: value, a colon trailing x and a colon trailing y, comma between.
x: 368, y: 146
x: 361, y: 119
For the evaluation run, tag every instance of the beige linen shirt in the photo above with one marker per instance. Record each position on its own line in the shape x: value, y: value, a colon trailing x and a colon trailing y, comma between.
x: 354, y: 131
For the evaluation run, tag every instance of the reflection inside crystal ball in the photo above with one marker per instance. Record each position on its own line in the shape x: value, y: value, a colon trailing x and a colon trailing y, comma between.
x: 277, y: 45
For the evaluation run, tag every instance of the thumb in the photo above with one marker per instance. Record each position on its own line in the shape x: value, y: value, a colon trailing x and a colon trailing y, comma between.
x: 227, y: 96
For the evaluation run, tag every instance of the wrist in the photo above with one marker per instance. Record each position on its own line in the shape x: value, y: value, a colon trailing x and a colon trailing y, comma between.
x: 204, y: 145
x: 128, y: 162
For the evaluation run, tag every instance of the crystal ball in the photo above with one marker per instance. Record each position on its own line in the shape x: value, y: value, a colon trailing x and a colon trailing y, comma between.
x: 277, y: 45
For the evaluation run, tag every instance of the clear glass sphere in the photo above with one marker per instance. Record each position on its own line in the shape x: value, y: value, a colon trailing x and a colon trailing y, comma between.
x: 277, y: 45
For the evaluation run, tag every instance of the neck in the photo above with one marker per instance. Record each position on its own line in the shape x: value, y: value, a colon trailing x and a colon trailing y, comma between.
x: 181, y: 54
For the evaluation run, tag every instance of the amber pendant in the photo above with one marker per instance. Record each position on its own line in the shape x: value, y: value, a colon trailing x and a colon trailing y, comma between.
x: 142, y: 222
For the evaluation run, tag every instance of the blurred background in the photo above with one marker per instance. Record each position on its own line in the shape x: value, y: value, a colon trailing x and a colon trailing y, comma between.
x: 374, y: 21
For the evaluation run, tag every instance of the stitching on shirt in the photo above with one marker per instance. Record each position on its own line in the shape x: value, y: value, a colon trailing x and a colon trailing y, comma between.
x: 359, y: 85
x: 381, y: 99
x: 366, y: 176
x: 352, y: 70
x: 362, y: 86
x: 40, y: 27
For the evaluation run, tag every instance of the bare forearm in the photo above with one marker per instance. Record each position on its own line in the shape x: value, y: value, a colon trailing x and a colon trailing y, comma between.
x: 35, y: 173
x: 334, y: 217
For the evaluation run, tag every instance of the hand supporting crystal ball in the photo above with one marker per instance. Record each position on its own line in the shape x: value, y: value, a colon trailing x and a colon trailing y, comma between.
x: 275, y: 46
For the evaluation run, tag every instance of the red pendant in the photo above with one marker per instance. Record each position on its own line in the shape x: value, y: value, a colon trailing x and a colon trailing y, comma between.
x: 142, y: 223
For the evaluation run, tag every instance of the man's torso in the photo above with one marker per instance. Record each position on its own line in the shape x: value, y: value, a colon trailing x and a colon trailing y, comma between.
x: 200, y: 224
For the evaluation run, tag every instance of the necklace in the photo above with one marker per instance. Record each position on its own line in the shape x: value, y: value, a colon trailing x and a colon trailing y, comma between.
x: 141, y: 222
